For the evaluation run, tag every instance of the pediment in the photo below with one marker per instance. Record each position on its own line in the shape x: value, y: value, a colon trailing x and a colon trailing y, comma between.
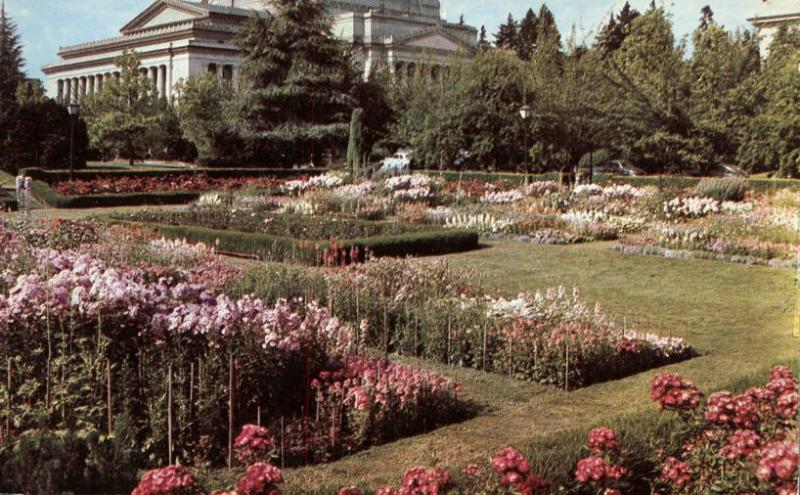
x: 164, y: 12
x: 434, y: 41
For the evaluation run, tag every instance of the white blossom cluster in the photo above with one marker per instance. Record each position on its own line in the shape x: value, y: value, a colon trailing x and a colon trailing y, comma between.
x: 502, y: 197
x: 693, y: 207
x: 482, y: 222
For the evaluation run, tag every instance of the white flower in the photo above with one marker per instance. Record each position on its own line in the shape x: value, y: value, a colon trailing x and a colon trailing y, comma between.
x: 502, y: 197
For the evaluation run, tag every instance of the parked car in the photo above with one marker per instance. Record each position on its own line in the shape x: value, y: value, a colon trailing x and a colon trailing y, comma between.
x: 397, y: 164
x: 618, y: 167
x: 728, y: 170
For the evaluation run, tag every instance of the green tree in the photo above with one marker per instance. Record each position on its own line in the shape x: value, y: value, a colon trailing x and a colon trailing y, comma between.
x: 355, y: 144
x: 547, y: 30
x: 297, y: 80
x: 483, y: 41
x: 720, y: 64
x: 614, y: 33
x: 507, y: 36
x: 771, y: 138
x: 652, y: 98
x: 207, y: 111
x: 528, y: 32
x: 11, y: 75
x: 125, y: 115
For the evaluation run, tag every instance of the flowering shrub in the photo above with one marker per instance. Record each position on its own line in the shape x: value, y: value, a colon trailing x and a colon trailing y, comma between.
x: 185, y: 182
x: 690, y: 207
x: 403, y: 182
x: 260, y: 479
x: 254, y: 444
x: 170, y: 480
x: 515, y: 472
x: 385, y: 400
x: 326, y: 181
x: 734, y: 443
x: 587, y: 190
x: 502, y: 197
x: 542, y: 188
x: 482, y: 222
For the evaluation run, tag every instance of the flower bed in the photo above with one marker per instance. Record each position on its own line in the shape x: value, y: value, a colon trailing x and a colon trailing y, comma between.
x: 425, y: 310
x: 319, y: 241
x: 125, y: 337
x: 188, y: 183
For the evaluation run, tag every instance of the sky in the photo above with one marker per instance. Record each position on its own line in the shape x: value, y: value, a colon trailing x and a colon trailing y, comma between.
x: 45, y: 25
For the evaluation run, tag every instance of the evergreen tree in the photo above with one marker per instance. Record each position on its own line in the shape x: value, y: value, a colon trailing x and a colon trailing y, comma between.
x: 355, y: 145
x: 507, y: 36
x: 546, y: 27
x: 706, y: 17
x: 526, y: 43
x: 614, y: 33
x: 208, y: 117
x: 11, y: 76
x: 297, y: 80
x: 483, y: 42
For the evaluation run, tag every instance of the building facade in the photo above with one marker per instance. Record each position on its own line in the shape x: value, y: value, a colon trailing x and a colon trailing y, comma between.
x: 771, y: 16
x: 176, y: 39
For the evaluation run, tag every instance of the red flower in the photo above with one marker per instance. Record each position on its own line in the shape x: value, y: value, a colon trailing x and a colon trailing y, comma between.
x: 421, y: 481
x: 724, y: 408
x: 170, y: 480
x: 674, y: 393
x: 741, y: 445
x: 350, y: 490
x: 260, y: 479
x: 778, y: 462
x: 596, y: 469
x: 387, y: 490
x: 603, y: 440
x: 253, y: 444
x: 676, y: 472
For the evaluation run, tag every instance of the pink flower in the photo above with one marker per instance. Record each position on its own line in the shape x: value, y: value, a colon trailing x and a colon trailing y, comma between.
x: 676, y: 472
x: 253, y: 444
x: 170, y: 480
x: 387, y: 490
x: 421, y: 481
x: 778, y: 462
x: 515, y: 472
x: 597, y: 470
x: 260, y: 479
x: 673, y: 393
x: 603, y: 440
x: 351, y: 490
x: 741, y: 445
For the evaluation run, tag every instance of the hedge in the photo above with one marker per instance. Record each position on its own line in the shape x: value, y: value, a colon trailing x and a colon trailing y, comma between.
x: 52, y: 176
x: 270, y: 247
x: 683, y: 182
x: 49, y: 197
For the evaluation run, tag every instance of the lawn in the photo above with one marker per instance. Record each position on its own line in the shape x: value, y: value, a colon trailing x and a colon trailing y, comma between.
x: 739, y: 316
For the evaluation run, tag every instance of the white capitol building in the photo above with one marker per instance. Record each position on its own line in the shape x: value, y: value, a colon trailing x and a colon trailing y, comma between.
x: 176, y: 39
x: 771, y: 16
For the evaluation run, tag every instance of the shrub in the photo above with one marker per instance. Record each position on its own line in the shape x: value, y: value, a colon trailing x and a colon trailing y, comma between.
x: 722, y: 189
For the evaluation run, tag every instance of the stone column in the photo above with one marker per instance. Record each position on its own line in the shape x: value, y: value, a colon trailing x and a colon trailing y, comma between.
x: 162, y: 81
x: 60, y: 91
x: 90, y: 82
x: 67, y: 91
x: 98, y: 83
x: 154, y: 77
x: 76, y: 90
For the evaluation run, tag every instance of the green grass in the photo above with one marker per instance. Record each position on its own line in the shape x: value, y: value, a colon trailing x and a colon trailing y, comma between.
x: 739, y: 315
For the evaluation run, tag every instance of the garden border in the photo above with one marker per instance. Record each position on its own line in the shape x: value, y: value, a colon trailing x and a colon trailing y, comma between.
x: 425, y: 243
x: 49, y: 196
x: 761, y: 185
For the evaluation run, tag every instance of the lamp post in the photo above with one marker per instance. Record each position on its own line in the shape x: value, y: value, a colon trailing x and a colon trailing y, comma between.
x: 74, y: 111
x: 525, y: 113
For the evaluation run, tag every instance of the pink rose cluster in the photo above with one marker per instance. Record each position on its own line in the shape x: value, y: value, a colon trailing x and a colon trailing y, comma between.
x: 673, y: 393
x: 253, y: 444
x: 602, y: 440
x: 515, y: 472
x: 745, y: 442
x: 170, y: 480
x: 421, y: 481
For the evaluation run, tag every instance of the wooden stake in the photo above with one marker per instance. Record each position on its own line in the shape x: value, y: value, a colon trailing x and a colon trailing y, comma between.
x: 566, y: 374
x: 258, y: 413
x: 169, y: 413
x: 230, y: 410
x: 8, y: 398
x: 108, y: 387
x: 485, y: 343
x: 283, y: 460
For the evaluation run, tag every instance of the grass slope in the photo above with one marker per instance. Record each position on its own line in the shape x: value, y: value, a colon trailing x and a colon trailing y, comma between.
x: 740, y: 315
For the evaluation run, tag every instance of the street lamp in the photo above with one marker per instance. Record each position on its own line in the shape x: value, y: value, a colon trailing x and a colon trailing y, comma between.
x: 74, y: 112
x: 525, y: 113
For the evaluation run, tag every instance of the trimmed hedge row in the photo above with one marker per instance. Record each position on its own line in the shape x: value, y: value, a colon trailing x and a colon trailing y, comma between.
x: 48, y: 196
x: 51, y: 176
x: 270, y: 247
x: 761, y: 185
